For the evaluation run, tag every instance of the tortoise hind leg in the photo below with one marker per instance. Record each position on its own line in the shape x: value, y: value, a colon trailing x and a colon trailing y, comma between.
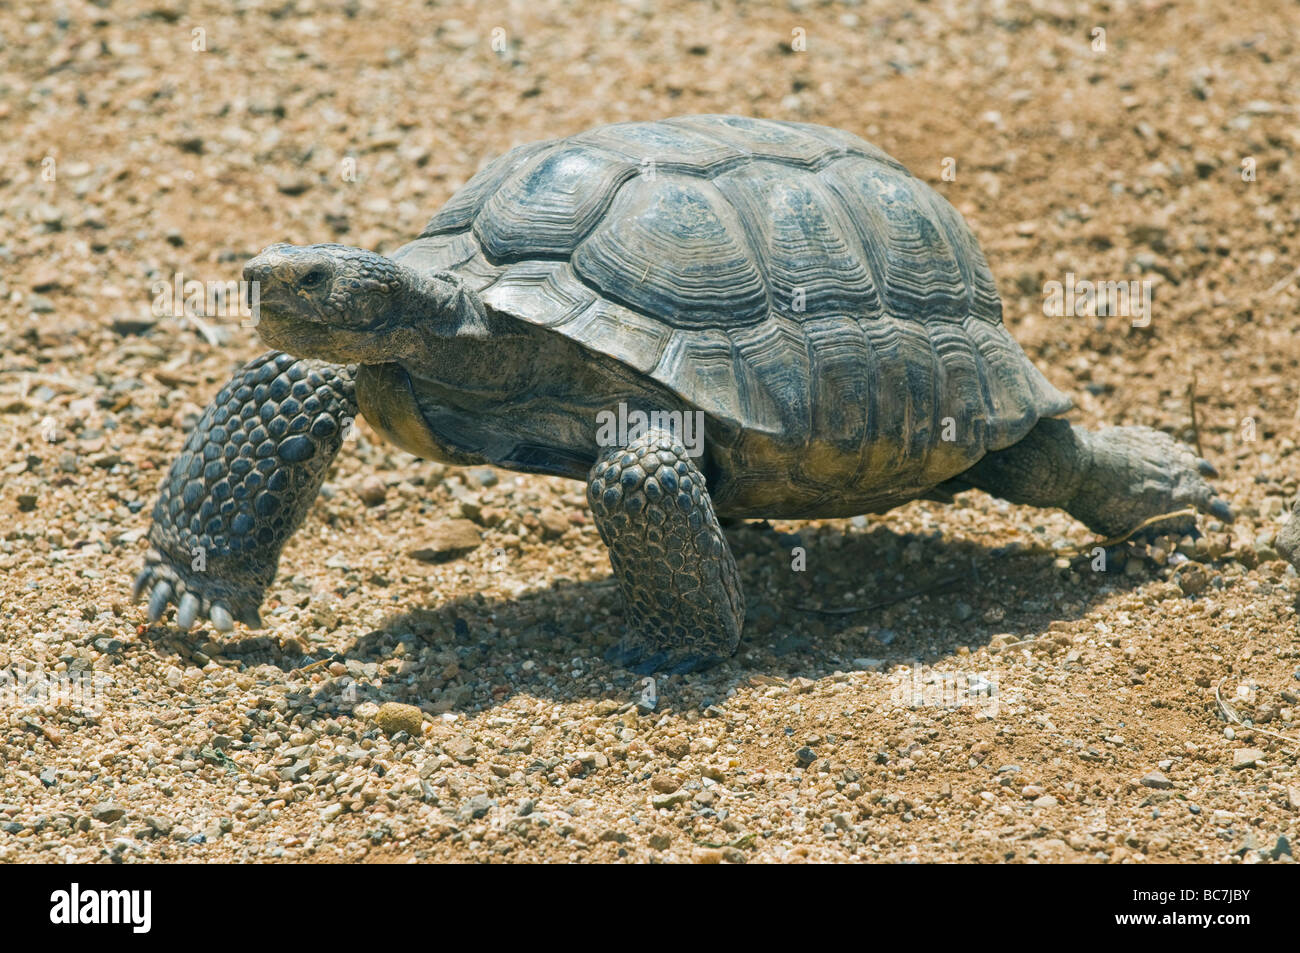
x: 680, y: 586
x: 1111, y: 480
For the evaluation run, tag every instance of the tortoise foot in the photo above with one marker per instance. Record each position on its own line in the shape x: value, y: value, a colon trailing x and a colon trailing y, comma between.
x: 1135, y: 474
x: 1114, y: 480
x: 196, y: 595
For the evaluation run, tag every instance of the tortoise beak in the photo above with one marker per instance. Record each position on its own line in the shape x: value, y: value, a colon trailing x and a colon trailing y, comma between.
x: 265, y: 281
x: 261, y: 267
x: 257, y: 269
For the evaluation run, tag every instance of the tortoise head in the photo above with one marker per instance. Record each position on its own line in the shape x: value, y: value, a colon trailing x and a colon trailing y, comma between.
x: 329, y: 301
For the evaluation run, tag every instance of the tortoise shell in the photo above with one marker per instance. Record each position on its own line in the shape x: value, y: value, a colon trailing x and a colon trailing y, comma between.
x: 787, y: 279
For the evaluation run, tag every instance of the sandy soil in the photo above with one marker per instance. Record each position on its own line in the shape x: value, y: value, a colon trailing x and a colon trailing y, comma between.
x: 990, y: 697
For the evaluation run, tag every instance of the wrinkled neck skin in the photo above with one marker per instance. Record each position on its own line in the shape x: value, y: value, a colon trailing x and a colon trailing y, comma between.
x: 442, y: 333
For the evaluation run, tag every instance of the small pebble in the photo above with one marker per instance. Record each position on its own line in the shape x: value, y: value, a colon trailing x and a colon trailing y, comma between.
x: 108, y: 812
x: 1157, y: 780
x: 373, y: 491
x: 393, y: 717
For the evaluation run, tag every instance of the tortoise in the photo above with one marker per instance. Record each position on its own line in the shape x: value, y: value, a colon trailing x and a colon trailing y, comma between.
x: 825, y: 319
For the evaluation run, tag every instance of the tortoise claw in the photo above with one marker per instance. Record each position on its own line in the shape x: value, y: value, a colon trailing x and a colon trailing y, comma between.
x: 221, y: 619
x: 187, y: 611
x: 158, y: 599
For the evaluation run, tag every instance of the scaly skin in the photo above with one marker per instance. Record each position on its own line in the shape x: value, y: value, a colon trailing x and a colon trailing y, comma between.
x: 679, y: 580
x: 242, y: 485
x: 1111, y: 480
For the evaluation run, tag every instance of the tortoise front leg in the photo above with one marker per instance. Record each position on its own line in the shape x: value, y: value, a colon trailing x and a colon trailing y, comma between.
x: 680, y: 585
x: 242, y: 485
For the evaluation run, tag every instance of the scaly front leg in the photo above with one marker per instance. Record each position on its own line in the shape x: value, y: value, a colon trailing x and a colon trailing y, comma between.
x: 680, y: 585
x: 242, y: 485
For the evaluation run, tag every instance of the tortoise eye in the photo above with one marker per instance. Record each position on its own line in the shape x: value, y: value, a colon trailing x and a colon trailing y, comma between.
x: 313, y: 278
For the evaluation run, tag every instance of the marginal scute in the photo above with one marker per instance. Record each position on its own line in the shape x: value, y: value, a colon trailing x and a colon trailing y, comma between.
x: 841, y: 390
x: 641, y: 339
x: 958, y: 366
x: 547, y: 291
x: 439, y: 252
x: 702, y: 368
x: 775, y: 357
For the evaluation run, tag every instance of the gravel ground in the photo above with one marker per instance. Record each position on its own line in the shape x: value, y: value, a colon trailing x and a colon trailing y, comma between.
x: 943, y: 683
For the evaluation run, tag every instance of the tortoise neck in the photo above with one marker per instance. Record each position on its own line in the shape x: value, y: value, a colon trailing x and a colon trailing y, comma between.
x: 443, y: 305
x: 434, y: 320
x: 445, y: 334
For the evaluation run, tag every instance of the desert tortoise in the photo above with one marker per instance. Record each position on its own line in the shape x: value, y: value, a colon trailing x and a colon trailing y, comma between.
x: 826, y: 318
